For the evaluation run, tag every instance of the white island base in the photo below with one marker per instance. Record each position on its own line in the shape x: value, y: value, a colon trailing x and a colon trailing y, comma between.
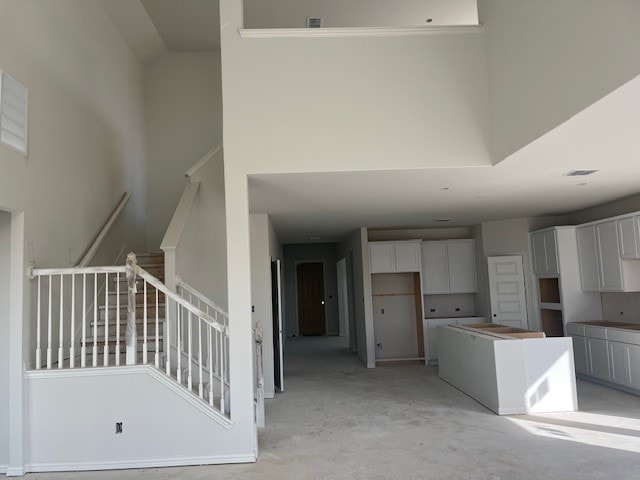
x: 507, y: 374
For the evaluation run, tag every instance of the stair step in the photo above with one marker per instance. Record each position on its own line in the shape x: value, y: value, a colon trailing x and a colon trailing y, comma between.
x: 152, y: 258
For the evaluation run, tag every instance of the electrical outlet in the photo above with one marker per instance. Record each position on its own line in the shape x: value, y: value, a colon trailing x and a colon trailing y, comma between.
x: 379, y: 346
x: 118, y: 428
x: 433, y: 310
x: 457, y: 309
x: 382, y: 311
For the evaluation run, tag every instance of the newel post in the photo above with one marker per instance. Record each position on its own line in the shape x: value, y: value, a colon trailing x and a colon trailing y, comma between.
x: 131, y: 334
x: 259, y: 336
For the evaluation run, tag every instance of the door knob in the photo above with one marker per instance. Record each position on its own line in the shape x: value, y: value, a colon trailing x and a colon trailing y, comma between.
x: 322, y: 302
x: 495, y: 314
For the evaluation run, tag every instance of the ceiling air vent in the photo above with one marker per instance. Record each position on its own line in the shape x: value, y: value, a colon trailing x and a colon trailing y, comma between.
x: 579, y: 173
x: 314, y: 22
x: 443, y: 220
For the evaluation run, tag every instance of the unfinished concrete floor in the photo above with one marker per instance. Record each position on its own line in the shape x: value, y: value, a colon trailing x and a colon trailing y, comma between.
x: 337, y: 420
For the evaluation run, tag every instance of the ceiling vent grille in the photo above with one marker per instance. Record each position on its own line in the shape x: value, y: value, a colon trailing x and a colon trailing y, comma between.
x: 314, y: 22
x: 579, y: 173
x: 443, y: 220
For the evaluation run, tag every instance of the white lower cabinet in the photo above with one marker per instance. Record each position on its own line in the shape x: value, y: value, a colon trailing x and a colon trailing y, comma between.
x: 581, y: 355
x: 634, y: 366
x: 598, y: 358
x: 619, y: 358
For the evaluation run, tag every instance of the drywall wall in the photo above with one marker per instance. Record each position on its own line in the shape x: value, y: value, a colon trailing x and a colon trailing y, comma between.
x: 5, y: 242
x: 366, y: 98
x: 201, y: 254
x: 420, y: 233
x: 265, y: 247
x: 87, y: 144
x: 311, y: 252
x: 144, y: 400
x: 621, y: 307
x: 183, y: 103
x: 359, y: 13
x: 345, y: 252
x: 544, y: 66
x: 355, y: 248
x: 612, y: 209
x: 507, y: 237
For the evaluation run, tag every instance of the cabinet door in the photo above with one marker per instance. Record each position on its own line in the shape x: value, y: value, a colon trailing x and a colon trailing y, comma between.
x: 598, y: 358
x: 609, y: 257
x: 433, y: 345
x: 462, y: 267
x: 551, y: 252
x: 619, y: 358
x: 539, y: 254
x: 628, y: 237
x: 588, y: 259
x: 382, y: 256
x: 634, y: 365
x: 435, y: 268
x: 580, y: 354
x: 407, y: 257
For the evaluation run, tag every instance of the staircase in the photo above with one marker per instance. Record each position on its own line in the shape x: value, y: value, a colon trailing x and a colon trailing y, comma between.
x: 83, y: 314
x: 114, y: 308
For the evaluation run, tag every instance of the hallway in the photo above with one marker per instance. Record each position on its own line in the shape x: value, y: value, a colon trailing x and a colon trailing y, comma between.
x: 338, y: 420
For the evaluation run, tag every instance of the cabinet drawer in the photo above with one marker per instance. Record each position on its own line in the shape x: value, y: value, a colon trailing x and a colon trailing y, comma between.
x: 575, y: 329
x: 593, y: 331
x: 433, y: 324
x: 624, y: 336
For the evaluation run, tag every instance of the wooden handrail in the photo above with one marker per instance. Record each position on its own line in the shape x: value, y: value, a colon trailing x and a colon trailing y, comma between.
x: 88, y: 256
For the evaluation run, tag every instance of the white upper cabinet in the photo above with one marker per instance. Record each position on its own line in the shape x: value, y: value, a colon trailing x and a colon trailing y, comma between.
x: 628, y: 235
x: 462, y: 266
x: 610, y: 263
x: 605, y: 253
x: 588, y: 259
x: 545, y: 253
x: 435, y: 268
x: 407, y: 256
x: 382, y: 257
x: 393, y: 257
x: 449, y: 267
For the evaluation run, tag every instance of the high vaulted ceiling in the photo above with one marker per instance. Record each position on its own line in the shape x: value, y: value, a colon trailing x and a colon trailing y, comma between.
x: 155, y: 27
x: 186, y: 25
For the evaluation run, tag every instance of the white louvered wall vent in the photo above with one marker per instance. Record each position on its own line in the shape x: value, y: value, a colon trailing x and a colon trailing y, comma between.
x: 314, y: 22
x: 13, y: 113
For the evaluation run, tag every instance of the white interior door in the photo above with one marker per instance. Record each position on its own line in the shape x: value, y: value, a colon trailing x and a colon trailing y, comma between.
x: 506, y: 288
x: 343, y: 297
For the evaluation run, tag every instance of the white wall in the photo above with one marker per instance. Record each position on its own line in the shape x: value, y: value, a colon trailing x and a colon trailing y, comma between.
x: 5, y: 239
x: 359, y: 13
x: 72, y: 432
x: 265, y: 247
x: 549, y: 60
x: 183, y: 102
x: 507, y: 237
x: 201, y: 255
x: 87, y: 138
x: 322, y: 252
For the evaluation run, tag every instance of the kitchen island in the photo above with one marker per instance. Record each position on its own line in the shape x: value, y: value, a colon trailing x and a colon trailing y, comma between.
x: 509, y: 370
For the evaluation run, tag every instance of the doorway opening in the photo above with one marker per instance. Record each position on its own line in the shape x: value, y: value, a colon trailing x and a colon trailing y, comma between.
x: 310, y: 298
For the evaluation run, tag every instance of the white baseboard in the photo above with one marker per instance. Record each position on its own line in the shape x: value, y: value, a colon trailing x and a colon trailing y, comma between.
x: 15, y: 471
x: 3, y: 469
x: 143, y: 463
x: 270, y: 395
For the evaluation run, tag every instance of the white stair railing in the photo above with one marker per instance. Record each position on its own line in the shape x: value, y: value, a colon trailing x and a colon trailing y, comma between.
x: 216, y: 368
x: 151, y: 309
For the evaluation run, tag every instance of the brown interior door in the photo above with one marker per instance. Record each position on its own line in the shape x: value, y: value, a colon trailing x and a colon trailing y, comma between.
x: 311, y: 319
